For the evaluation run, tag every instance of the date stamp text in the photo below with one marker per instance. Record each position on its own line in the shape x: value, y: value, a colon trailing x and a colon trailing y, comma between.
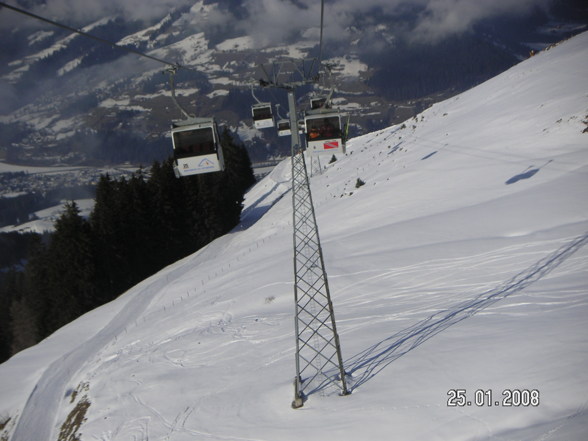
x: 487, y: 398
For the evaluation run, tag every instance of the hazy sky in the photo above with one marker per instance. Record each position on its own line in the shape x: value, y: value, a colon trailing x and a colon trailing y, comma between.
x: 276, y: 20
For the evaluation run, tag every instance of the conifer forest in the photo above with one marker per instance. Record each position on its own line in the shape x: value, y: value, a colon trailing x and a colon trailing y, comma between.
x: 138, y: 226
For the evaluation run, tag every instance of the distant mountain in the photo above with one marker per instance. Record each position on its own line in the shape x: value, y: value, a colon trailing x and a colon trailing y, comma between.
x: 69, y: 99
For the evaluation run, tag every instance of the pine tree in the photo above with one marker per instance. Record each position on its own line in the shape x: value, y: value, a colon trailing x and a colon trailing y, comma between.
x: 170, y: 206
x: 236, y: 180
x: 23, y: 325
x: 143, y: 233
x: 105, y: 220
x: 238, y: 164
x: 11, y: 288
x: 70, y: 284
x: 27, y: 312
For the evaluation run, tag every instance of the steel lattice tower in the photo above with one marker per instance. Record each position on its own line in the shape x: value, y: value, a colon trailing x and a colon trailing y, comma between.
x: 318, y: 350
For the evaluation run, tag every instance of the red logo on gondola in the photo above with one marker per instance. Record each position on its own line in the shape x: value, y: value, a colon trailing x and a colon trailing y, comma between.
x: 331, y: 145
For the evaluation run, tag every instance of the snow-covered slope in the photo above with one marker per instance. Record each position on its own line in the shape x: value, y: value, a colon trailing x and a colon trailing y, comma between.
x: 460, y: 265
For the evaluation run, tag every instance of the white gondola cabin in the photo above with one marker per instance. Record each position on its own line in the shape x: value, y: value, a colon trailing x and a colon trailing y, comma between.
x: 283, y: 126
x: 262, y: 115
x: 324, y: 132
x: 301, y: 126
x: 197, y: 147
x: 318, y: 102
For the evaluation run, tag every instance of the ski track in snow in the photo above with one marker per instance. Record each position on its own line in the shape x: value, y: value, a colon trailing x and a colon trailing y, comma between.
x: 53, y: 384
x: 60, y: 375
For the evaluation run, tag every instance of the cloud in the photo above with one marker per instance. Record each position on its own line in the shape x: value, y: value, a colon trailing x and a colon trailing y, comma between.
x: 279, y: 21
x: 271, y: 22
x: 442, y: 18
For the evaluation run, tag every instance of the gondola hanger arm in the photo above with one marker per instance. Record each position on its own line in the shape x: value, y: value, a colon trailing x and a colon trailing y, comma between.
x: 172, y: 72
x: 255, y: 97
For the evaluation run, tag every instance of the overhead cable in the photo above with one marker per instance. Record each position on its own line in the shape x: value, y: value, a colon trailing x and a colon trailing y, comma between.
x: 93, y: 37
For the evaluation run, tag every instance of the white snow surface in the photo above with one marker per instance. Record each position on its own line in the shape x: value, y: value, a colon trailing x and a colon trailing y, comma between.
x: 45, y: 219
x: 234, y: 44
x: 460, y: 264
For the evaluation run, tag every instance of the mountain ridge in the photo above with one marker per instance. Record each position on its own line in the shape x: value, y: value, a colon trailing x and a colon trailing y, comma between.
x: 86, y: 104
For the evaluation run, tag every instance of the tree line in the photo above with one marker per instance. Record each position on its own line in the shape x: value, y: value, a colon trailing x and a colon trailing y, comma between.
x: 138, y: 226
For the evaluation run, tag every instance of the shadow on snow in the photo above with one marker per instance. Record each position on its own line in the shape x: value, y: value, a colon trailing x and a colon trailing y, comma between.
x: 527, y: 174
x: 368, y: 363
x: 256, y: 211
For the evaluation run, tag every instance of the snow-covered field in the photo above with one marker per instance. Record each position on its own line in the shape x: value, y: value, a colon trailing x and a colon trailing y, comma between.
x: 45, y: 219
x: 460, y: 266
x: 12, y: 168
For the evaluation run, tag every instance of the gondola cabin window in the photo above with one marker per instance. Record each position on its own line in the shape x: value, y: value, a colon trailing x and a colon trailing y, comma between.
x: 323, y: 128
x: 324, y: 133
x: 196, y: 147
x: 194, y: 142
x: 284, y: 128
x: 317, y: 103
x: 262, y: 113
x: 262, y: 116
